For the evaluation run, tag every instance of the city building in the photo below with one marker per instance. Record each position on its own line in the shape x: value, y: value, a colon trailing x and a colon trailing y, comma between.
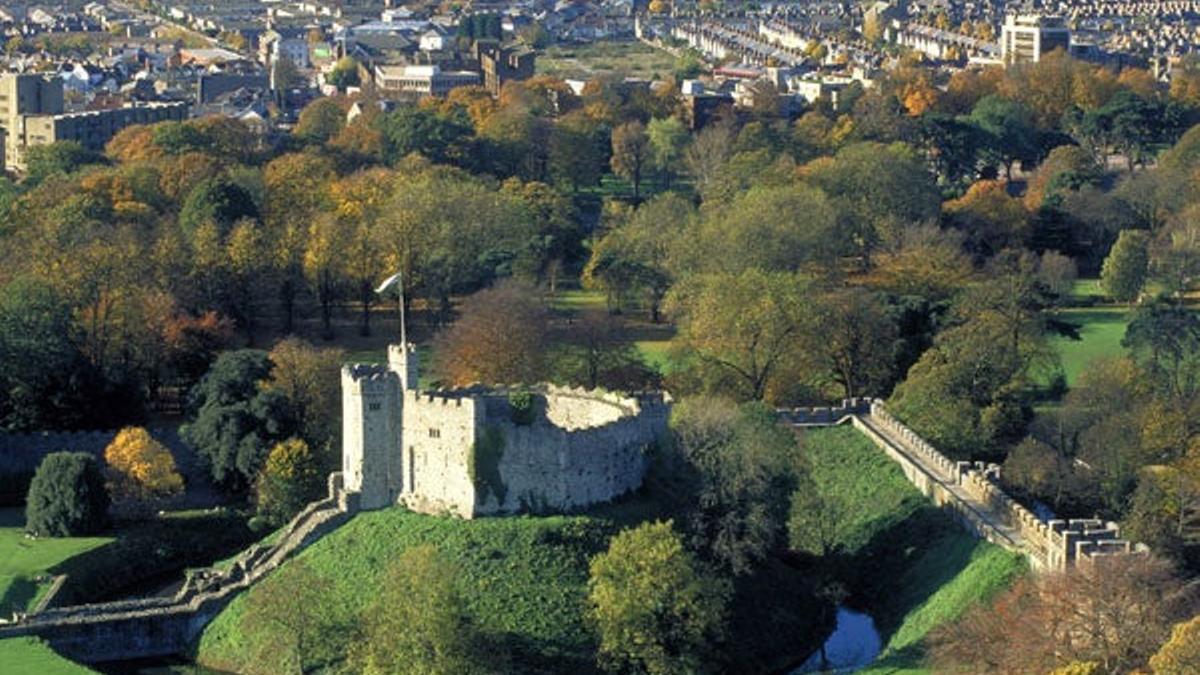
x: 503, y: 64
x: 402, y: 81
x: 31, y: 113
x: 1027, y: 37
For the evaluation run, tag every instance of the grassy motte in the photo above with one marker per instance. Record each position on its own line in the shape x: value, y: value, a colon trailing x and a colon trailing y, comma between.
x: 524, y: 582
x: 904, y: 560
x: 30, y: 656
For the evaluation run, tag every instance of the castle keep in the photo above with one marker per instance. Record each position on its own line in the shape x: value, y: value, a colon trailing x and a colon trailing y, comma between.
x: 480, y: 451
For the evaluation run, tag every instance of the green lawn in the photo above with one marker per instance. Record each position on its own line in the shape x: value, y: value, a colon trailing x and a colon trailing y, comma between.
x: 911, y: 564
x: 1100, y: 331
x: 22, y: 560
x: 30, y: 656
x: 585, y: 62
x: 577, y: 299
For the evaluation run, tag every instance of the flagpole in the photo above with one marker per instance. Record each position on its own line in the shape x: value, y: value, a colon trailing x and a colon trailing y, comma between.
x: 400, y: 295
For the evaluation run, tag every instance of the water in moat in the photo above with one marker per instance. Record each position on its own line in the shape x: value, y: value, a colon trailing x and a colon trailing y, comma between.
x: 853, y: 645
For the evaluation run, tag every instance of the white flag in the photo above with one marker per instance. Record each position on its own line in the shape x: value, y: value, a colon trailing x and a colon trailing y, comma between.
x: 388, y: 283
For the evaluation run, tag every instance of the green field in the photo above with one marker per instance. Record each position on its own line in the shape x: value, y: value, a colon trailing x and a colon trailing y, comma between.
x: 23, y: 560
x: 584, y: 62
x: 911, y: 564
x: 30, y: 656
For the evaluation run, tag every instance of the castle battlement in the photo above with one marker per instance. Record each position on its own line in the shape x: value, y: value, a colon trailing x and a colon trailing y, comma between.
x: 469, y: 452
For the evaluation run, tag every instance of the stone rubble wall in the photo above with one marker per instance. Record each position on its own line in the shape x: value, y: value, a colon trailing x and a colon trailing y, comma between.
x: 986, y: 509
x: 146, y: 627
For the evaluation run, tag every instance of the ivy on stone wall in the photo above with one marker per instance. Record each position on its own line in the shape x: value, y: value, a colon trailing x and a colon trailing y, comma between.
x: 521, y: 407
x: 483, y: 463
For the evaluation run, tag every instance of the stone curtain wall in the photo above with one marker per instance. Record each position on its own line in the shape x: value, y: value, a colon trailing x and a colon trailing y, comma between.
x: 148, y: 627
x: 590, y: 448
x: 970, y: 490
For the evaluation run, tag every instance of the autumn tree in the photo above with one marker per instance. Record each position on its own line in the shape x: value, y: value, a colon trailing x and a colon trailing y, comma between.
x: 742, y: 331
x: 140, y: 466
x: 499, y: 338
x: 1181, y: 653
x: 310, y: 378
x: 655, y: 610
x: 630, y: 154
x: 1115, y: 613
x: 855, y: 341
x: 596, y: 351
x: 290, y: 479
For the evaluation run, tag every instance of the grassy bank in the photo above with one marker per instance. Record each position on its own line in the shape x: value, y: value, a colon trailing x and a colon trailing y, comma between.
x: 906, y: 561
x: 25, y: 563
x: 524, y: 581
x: 30, y: 656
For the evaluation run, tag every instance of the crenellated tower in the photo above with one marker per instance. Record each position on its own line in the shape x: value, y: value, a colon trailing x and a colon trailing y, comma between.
x: 404, y: 362
x: 371, y: 428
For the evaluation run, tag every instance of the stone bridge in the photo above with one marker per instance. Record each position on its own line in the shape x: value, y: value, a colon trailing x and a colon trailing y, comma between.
x: 148, y: 627
x: 971, y: 491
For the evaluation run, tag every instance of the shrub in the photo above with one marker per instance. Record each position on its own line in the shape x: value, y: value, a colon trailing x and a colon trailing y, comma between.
x: 67, y: 496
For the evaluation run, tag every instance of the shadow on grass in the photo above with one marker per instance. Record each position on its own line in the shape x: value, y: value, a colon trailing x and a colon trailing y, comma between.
x: 926, y: 551
x: 18, y: 596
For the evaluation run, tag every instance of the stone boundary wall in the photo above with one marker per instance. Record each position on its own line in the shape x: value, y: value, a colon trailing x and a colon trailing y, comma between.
x: 972, y: 492
x: 823, y: 417
x: 146, y: 627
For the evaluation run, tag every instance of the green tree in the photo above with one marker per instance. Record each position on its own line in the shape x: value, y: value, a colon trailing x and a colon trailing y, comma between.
x: 61, y: 157
x: 67, y: 497
x: 635, y: 257
x: 344, y: 73
x: 440, y: 138
x: 731, y: 466
x: 656, y: 611
x: 1008, y: 125
x: 1125, y: 269
x: 668, y: 137
x: 630, y: 154
x: 46, y: 382
x: 284, y: 624
x: 235, y: 421
x: 218, y: 201
x: 321, y: 120
x: 419, y: 623
x: 877, y: 191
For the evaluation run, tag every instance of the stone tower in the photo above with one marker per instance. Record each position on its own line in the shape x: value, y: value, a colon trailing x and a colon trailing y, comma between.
x: 405, y: 363
x: 371, y: 424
